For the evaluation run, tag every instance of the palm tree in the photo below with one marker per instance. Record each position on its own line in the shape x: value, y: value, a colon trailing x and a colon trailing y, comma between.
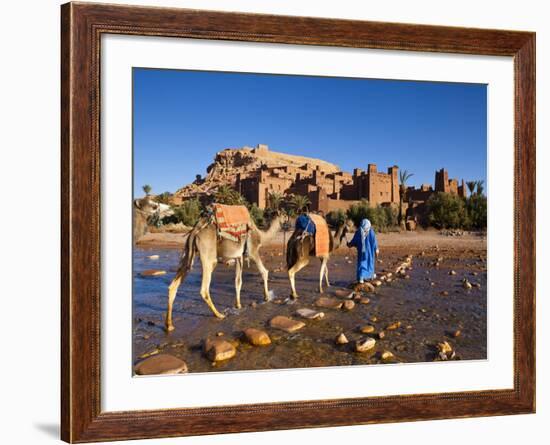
x: 471, y: 186
x: 227, y: 195
x: 275, y: 200
x: 300, y: 202
x: 404, y: 176
x: 479, y: 187
x: 147, y: 189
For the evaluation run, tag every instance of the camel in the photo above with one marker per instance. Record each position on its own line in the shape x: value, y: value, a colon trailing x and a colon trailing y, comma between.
x: 301, y: 247
x: 144, y: 208
x: 203, y: 239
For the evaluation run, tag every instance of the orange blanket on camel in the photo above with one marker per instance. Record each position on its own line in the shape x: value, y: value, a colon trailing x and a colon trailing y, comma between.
x: 232, y: 221
x: 322, y: 235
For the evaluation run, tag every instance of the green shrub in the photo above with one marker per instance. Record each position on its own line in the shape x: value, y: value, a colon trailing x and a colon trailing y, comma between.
x: 381, y: 218
x: 476, y: 207
x: 447, y: 211
x: 187, y: 213
x: 257, y: 215
x: 336, y: 218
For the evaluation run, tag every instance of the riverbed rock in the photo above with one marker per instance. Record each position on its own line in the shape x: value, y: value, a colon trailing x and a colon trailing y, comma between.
x: 310, y: 314
x: 286, y: 324
x: 329, y: 303
x: 457, y: 333
x: 218, y: 350
x: 365, y: 344
x: 364, y: 300
x: 161, y: 364
x: 257, y: 337
x: 381, y: 335
x: 152, y: 273
x: 393, y: 326
x: 387, y: 356
x: 344, y: 293
x: 363, y: 287
x: 367, y: 329
x: 466, y: 284
x: 444, y: 293
x: 341, y: 339
x: 377, y: 283
x: 452, y: 272
x: 153, y: 257
x: 348, y: 305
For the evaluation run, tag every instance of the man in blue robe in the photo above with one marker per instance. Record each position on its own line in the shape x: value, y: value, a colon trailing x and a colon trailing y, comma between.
x: 365, y: 242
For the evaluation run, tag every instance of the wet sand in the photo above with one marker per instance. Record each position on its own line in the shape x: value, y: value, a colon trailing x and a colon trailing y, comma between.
x: 426, y: 314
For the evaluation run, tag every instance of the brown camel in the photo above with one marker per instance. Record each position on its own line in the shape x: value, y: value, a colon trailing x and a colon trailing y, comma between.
x: 301, y: 246
x: 203, y: 239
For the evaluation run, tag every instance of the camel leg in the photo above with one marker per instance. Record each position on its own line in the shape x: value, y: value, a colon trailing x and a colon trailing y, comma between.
x: 172, y: 291
x: 326, y: 276
x: 299, y: 265
x: 322, y: 273
x: 238, y: 281
x: 207, y: 269
x: 263, y: 271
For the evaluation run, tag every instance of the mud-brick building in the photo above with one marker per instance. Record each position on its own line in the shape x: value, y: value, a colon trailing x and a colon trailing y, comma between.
x: 326, y: 191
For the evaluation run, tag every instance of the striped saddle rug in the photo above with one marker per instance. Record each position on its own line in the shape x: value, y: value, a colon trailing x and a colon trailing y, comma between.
x: 322, y: 235
x: 233, y: 222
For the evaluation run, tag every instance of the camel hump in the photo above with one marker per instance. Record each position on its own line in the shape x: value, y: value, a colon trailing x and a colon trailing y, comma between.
x: 233, y: 221
x: 322, y: 235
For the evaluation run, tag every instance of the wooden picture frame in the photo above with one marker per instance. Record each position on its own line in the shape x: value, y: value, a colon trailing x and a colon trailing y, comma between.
x: 82, y: 26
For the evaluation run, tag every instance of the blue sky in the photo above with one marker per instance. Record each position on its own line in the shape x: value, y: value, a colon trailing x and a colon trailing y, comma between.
x: 182, y: 118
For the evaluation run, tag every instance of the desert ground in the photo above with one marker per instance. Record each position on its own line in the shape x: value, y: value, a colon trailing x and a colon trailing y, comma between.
x: 437, y: 302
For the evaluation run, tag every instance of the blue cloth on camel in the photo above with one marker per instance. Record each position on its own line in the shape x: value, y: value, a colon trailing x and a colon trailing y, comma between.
x: 305, y: 224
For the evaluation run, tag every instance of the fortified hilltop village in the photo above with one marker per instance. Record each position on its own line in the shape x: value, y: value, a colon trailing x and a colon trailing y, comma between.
x: 258, y: 172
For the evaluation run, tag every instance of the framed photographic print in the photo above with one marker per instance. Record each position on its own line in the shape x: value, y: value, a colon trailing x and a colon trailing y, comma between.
x: 276, y: 222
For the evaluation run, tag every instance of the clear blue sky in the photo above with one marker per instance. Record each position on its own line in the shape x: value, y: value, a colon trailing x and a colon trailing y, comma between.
x: 182, y: 118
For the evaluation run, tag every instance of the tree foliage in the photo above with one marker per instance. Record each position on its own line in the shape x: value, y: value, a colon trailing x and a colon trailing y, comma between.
x: 381, y: 218
x: 147, y: 189
x: 336, y: 218
x: 187, y: 213
x: 447, y: 211
x: 229, y: 196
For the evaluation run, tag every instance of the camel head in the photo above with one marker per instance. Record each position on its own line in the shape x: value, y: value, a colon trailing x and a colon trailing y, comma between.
x: 150, y: 207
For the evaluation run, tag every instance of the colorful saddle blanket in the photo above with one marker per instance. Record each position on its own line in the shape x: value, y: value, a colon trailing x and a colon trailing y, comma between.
x: 233, y: 222
x: 322, y: 235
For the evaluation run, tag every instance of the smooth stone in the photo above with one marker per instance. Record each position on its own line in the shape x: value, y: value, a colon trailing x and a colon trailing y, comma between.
x: 365, y: 344
x: 329, y: 303
x: 368, y: 329
x: 218, y: 349
x: 341, y: 339
x: 444, y: 347
x: 444, y: 293
x: 152, y: 273
x: 393, y: 326
x: 452, y: 272
x: 466, y: 284
x: 377, y: 283
x: 153, y: 257
x: 457, y: 333
x: 387, y: 355
x: 161, y: 364
x: 310, y: 314
x: 381, y: 335
x: 348, y: 305
x: 257, y: 337
x: 344, y: 293
x: 286, y: 324
x: 364, y: 300
x: 364, y: 287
